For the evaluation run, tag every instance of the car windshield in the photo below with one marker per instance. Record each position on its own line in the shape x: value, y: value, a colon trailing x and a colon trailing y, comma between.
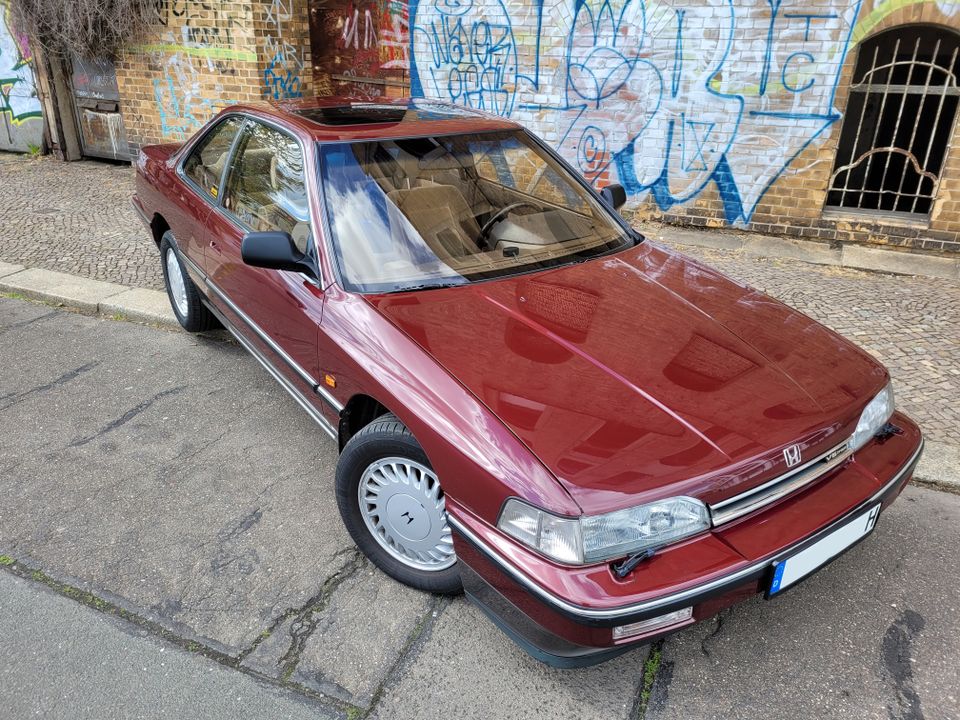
x: 425, y: 212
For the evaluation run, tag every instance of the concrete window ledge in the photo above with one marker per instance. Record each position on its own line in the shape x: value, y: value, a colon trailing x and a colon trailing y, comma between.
x: 859, y: 257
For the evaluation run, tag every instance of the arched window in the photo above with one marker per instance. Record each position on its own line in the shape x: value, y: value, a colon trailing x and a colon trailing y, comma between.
x: 898, y: 123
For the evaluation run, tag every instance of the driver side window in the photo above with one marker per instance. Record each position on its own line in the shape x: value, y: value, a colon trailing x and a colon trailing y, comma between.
x: 266, y: 189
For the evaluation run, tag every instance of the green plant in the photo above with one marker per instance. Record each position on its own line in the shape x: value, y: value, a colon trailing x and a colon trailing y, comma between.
x: 33, y: 150
x: 6, y: 560
x: 650, y: 668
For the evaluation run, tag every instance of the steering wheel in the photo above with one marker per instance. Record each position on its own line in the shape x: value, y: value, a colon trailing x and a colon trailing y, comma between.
x: 498, y: 216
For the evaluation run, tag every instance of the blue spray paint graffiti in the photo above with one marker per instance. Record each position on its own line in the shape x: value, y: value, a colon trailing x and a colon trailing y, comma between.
x: 669, y: 97
x: 282, y: 75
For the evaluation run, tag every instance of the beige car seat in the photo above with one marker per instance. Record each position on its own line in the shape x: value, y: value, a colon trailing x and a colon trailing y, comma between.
x: 442, y: 217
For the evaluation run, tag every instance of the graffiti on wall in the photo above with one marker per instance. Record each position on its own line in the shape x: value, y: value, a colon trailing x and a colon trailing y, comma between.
x: 181, y: 102
x: 379, y: 30
x: 190, y: 62
x: 363, y: 46
x: 20, y: 111
x: 282, y: 76
x: 666, y: 98
x: 18, y: 96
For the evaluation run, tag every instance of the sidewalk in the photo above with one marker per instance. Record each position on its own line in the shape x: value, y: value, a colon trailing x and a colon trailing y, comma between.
x: 76, y: 218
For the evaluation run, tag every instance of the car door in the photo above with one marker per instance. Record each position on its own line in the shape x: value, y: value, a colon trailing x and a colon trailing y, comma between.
x: 277, y: 310
x: 199, y: 178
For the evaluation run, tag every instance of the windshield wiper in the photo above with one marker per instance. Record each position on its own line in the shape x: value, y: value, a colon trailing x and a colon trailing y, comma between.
x: 430, y: 286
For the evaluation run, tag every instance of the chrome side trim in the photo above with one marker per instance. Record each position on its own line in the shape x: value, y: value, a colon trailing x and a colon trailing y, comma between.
x: 304, y: 375
x: 140, y: 212
x: 269, y: 341
x: 278, y: 376
x: 780, y: 486
x: 685, y: 596
x: 259, y: 332
x: 191, y: 265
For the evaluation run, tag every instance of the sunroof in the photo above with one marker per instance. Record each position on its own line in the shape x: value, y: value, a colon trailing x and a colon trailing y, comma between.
x: 381, y: 114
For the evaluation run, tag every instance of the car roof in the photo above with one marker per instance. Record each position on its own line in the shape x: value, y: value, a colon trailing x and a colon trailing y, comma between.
x: 351, y: 119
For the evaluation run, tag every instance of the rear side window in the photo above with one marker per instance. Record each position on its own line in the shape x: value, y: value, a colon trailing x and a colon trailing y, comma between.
x: 265, y: 184
x: 206, y: 162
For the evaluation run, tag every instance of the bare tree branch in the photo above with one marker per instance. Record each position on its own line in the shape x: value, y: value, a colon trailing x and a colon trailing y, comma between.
x: 88, y: 28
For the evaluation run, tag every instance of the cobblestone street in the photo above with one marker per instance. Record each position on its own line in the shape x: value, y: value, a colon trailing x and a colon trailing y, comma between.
x: 76, y: 218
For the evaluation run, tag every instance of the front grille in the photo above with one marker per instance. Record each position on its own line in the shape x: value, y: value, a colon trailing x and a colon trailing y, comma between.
x: 761, y: 496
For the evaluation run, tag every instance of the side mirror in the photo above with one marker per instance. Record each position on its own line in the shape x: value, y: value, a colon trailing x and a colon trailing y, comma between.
x: 274, y: 250
x: 614, y: 195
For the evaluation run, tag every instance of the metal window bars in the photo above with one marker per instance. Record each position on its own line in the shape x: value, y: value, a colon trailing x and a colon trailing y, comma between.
x: 899, y: 119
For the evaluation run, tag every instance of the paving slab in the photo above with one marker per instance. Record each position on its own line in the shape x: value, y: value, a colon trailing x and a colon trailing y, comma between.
x: 467, y: 668
x: 72, y: 291
x: 868, y: 258
x: 165, y: 469
x: 874, y: 635
x: 141, y: 304
x: 9, y: 268
x: 64, y: 661
x: 351, y: 641
x: 940, y: 464
x: 809, y: 251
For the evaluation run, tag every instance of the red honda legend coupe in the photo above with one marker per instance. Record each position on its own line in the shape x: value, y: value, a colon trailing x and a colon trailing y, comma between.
x: 600, y: 440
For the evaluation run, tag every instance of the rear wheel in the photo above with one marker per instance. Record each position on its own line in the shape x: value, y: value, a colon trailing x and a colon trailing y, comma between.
x: 185, y: 300
x: 393, y: 507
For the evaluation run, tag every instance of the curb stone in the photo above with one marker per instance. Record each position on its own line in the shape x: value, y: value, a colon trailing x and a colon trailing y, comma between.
x: 9, y: 269
x: 90, y: 297
x: 940, y: 465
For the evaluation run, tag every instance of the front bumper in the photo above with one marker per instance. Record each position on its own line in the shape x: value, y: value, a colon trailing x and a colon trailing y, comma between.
x: 565, y: 616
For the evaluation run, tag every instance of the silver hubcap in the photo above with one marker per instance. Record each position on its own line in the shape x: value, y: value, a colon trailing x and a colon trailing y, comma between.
x: 178, y: 287
x: 401, y: 503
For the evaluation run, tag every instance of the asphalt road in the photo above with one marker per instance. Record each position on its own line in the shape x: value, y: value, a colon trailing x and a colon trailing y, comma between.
x: 169, y: 477
x: 63, y: 660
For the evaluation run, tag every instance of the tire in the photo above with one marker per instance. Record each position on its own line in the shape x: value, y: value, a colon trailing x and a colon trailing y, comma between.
x: 384, y: 455
x: 185, y: 300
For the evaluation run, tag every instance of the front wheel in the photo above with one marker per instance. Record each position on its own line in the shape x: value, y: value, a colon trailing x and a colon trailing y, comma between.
x: 393, y: 507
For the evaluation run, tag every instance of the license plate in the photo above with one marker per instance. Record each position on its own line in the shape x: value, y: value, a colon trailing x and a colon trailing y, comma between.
x: 797, y: 567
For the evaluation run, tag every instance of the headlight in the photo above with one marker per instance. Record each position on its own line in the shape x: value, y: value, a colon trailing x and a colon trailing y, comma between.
x: 593, y: 538
x: 875, y: 415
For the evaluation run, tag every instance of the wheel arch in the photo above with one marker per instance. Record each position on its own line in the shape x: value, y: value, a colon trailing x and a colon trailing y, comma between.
x: 360, y: 411
x: 158, y: 226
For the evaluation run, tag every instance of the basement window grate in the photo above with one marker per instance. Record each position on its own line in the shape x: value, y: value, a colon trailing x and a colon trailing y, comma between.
x: 899, y: 120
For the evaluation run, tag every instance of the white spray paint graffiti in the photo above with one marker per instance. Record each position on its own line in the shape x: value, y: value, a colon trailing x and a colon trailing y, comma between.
x: 179, y: 95
x: 668, y: 96
x: 351, y: 26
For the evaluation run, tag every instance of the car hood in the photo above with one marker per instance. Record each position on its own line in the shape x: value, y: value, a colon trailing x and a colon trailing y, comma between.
x: 644, y: 374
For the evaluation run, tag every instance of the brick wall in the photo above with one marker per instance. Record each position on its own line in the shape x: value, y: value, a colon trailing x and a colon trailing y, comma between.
x: 709, y: 113
x: 198, y: 57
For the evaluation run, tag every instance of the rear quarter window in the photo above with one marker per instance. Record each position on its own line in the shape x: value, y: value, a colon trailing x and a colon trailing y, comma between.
x: 205, y: 164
